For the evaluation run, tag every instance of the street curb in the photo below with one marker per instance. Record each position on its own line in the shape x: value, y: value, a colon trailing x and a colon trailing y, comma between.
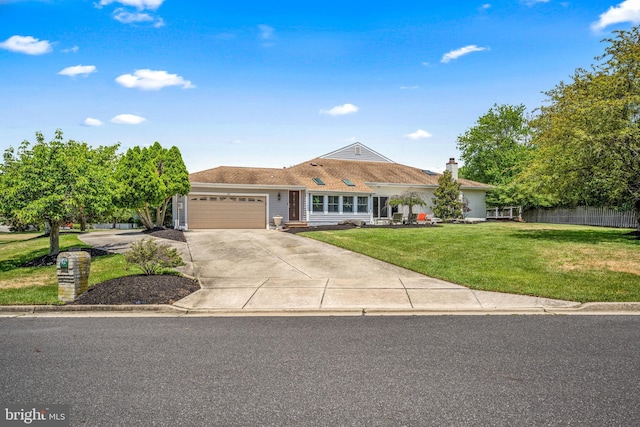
x: 593, y: 308
x: 130, y: 308
x: 599, y: 307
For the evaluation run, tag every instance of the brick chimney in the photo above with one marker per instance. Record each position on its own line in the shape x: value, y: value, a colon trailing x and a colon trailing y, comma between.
x: 452, y: 167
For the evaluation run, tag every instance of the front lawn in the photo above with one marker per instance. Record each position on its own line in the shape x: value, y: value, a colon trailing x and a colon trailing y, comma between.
x: 556, y: 261
x: 39, y: 285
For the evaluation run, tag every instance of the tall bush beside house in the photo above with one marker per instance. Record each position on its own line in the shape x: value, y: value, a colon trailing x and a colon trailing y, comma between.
x: 147, y: 180
x: 447, y: 204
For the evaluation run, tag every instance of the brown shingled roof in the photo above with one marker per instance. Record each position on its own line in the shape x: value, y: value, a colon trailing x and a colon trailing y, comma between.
x: 330, y: 171
x: 361, y: 172
x: 244, y: 175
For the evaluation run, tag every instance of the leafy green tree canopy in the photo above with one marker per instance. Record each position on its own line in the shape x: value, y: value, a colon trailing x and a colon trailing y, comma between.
x: 587, y: 137
x: 494, y: 149
x: 148, y: 178
x: 52, y: 182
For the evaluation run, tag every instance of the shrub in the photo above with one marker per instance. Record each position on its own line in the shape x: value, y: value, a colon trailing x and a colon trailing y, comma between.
x: 152, y: 257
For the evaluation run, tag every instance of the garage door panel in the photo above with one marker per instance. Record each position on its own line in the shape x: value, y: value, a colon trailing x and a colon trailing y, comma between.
x: 215, y: 211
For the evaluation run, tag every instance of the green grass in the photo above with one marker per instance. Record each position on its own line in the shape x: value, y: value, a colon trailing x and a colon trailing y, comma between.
x: 39, y: 285
x: 566, y: 262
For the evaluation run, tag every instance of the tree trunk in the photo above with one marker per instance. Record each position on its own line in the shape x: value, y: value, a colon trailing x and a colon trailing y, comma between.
x: 161, y: 212
x: 638, y: 213
x: 54, y: 238
x: 145, y: 217
x: 83, y: 223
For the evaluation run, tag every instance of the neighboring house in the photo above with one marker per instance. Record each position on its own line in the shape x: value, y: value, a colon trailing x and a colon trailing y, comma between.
x: 352, y: 183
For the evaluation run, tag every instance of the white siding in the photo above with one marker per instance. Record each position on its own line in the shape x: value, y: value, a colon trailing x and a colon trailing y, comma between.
x: 476, y: 203
x: 357, y: 151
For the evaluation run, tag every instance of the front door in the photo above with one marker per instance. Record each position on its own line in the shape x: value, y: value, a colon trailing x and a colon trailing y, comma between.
x: 294, y: 206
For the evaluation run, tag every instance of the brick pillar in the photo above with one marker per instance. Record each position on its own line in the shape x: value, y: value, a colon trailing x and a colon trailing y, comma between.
x: 73, y: 274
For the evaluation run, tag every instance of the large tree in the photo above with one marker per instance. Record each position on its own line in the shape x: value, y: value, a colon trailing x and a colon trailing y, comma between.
x: 53, y: 182
x: 588, y: 135
x: 495, y: 150
x: 148, y: 179
x: 95, y: 183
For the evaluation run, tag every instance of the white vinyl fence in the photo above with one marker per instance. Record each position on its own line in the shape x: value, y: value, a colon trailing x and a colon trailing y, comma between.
x: 603, y: 217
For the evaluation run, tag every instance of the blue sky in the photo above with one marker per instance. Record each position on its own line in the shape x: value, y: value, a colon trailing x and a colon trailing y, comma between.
x: 254, y: 83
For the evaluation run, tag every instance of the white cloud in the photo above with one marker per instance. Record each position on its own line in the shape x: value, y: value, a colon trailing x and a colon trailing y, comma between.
x: 627, y: 11
x: 126, y: 17
x: 534, y: 2
x: 92, y: 122
x: 409, y: 87
x: 341, y: 110
x: 485, y: 6
x: 138, y: 4
x: 266, y: 32
x: 454, y: 54
x: 26, y: 44
x: 78, y: 70
x: 152, y: 80
x: 74, y: 49
x: 419, y: 134
x: 128, y: 119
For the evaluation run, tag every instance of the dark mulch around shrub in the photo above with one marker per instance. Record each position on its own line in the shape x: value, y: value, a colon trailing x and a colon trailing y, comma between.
x: 140, y: 289
x: 166, y: 233
x: 47, y: 260
x: 352, y: 226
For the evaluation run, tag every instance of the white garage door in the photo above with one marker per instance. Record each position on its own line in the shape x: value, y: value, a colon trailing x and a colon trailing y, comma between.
x: 227, y: 211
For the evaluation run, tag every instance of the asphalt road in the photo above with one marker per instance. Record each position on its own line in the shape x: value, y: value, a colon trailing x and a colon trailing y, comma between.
x: 373, y: 371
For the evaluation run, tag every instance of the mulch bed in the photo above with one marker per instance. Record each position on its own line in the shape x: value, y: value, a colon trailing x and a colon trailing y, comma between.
x: 140, y: 289
x: 47, y: 260
x: 166, y: 233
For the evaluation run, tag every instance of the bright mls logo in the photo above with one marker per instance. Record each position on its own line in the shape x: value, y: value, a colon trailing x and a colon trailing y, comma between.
x: 36, y: 415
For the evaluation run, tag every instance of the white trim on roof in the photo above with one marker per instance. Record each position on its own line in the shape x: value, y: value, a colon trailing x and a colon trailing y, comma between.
x: 374, y: 156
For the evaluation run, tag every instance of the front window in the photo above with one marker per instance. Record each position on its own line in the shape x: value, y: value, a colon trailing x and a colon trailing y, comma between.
x: 334, y: 203
x: 347, y: 204
x: 363, y: 204
x: 317, y: 203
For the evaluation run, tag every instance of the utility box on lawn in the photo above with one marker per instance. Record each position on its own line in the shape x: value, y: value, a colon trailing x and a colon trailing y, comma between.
x: 73, y: 274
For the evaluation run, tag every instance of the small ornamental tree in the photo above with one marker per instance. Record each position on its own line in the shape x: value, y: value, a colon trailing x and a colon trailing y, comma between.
x: 446, y: 201
x: 408, y: 198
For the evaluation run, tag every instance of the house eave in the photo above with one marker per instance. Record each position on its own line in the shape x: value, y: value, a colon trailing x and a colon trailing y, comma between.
x: 248, y: 186
x: 399, y: 184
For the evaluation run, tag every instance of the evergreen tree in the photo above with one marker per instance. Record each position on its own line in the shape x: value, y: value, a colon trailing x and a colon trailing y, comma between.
x: 446, y: 201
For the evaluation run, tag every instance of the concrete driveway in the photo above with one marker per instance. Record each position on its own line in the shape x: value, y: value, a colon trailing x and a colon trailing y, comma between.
x: 270, y: 270
x: 243, y: 271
